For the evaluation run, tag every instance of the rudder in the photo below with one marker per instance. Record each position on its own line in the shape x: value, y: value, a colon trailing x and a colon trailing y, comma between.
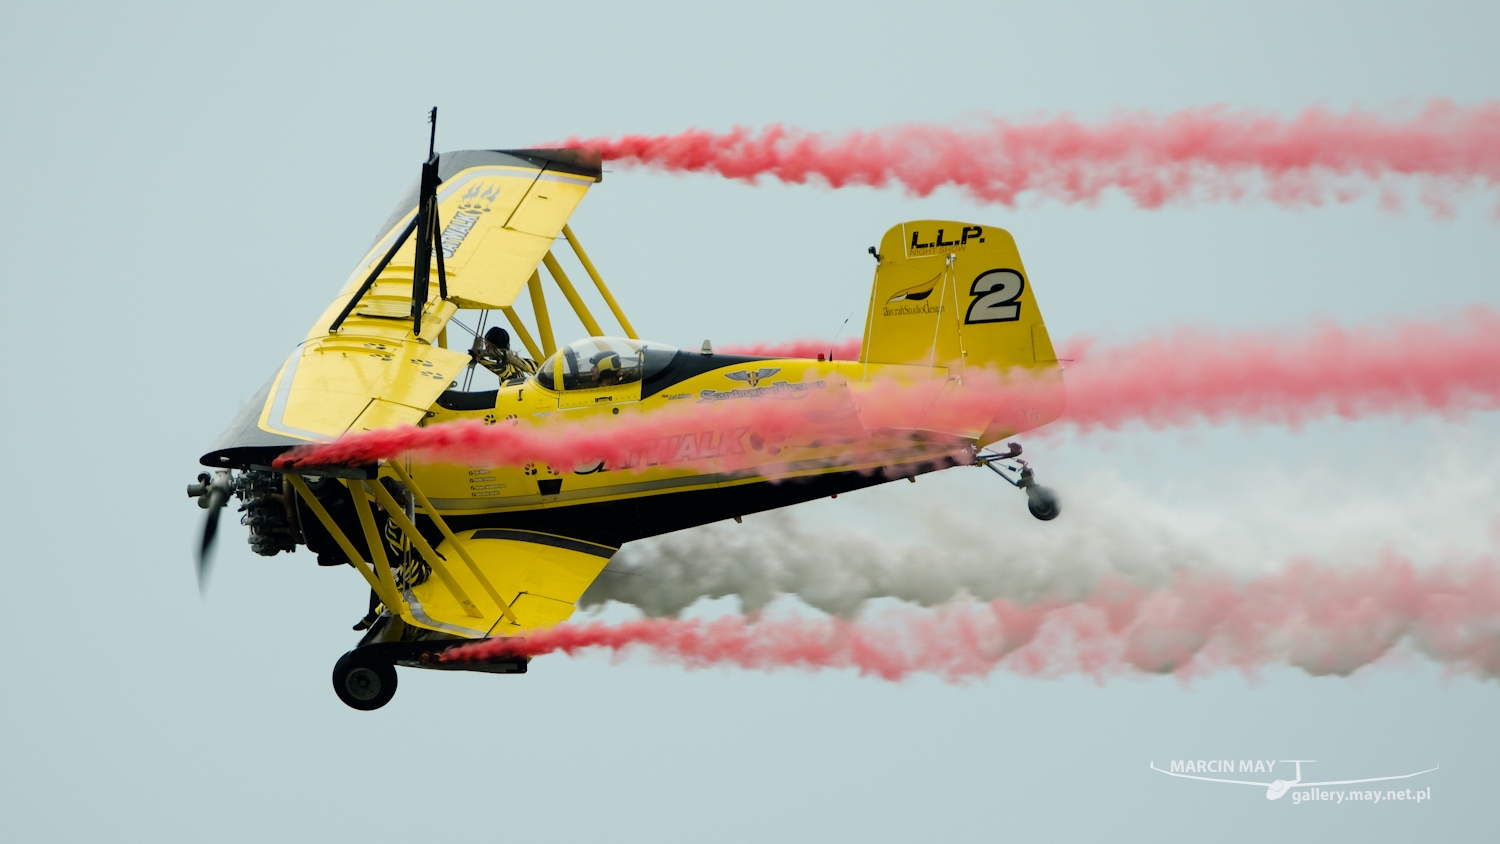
x: 952, y: 294
x: 954, y: 297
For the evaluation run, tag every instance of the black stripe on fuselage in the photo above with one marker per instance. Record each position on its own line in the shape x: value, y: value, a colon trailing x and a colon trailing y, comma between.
x: 546, y: 539
x: 687, y: 365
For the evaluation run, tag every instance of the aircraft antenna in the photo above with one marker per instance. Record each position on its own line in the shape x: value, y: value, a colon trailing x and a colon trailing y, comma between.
x: 432, y: 138
x: 840, y: 332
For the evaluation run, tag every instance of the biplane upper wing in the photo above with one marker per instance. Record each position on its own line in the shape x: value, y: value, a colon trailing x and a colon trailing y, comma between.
x: 498, y: 215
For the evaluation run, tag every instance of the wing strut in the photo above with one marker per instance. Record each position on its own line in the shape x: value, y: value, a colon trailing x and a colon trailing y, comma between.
x: 609, y: 298
x: 539, y: 309
x: 394, y: 511
x: 429, y: 232
x: 520, y: 327
x: 426, y: 232
x: 437, y: 249
x: 390, y: 599
x: 571, y: 294
x: 442, y: 526
x: 429, y: 242
x: 374, y: 274
x: 539, y: 303
x: 374, y: 543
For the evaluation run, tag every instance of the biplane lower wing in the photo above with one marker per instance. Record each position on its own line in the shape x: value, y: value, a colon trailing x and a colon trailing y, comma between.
x: 538, y: 576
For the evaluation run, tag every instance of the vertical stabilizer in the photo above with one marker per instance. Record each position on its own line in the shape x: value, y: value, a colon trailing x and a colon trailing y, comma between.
x: 954, y: 297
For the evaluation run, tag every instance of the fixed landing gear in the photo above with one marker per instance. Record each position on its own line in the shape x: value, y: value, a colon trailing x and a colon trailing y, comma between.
x: 365, y: 678
x: 1043, y: 503
x: 363, y: 681
x: 1040, y: 500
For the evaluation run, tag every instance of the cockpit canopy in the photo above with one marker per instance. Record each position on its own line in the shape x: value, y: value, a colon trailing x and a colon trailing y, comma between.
x: 604, y: 362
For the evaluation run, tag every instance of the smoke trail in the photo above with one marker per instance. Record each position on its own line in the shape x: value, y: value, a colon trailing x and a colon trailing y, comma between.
x: 1206, y: 578
x: 1406, y: 366
x: 804, y: 348
x: 1323, y: 620
x: 960, y: 535
x: 1446, y: 366
x: 1211, y: 153
x: 723, y: 435
x: 940, y: 556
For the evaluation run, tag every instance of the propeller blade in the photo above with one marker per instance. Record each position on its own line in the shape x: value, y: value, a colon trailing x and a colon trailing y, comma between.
x: 213, y: 500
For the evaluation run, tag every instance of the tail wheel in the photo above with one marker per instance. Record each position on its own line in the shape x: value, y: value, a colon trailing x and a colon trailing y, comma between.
x: 1043, y: 503
x: 362, y: 682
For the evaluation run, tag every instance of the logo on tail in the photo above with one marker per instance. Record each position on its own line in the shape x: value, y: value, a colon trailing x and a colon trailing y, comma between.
x: 915, y: 293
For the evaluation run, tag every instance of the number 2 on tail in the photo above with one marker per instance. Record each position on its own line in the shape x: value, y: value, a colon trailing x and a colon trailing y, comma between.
x: 998, y: 291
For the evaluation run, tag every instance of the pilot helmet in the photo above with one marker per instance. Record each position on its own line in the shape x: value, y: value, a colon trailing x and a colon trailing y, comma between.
x: 607, y: 362
x: 498, y: 337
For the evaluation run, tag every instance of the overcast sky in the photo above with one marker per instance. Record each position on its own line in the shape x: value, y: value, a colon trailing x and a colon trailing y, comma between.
x: 187, y: 186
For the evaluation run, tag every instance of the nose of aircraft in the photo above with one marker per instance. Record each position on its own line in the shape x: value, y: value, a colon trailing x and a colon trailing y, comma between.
x: 1277, y: 789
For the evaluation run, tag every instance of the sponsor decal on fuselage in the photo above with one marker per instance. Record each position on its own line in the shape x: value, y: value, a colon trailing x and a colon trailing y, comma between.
x: 775, y: 389
x: 681, y: 448
x: 752, y: 377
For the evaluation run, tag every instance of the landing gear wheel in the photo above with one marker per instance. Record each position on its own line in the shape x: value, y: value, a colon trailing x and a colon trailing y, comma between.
x: 1043, y: 503
x: 362, y: 682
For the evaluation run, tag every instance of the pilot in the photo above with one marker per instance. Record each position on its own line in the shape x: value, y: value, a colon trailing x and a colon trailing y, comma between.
x: 605, y: 371
x: 495, y: 355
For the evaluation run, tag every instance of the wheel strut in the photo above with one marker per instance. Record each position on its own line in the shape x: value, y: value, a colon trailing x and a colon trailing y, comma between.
x: 1040, y: 500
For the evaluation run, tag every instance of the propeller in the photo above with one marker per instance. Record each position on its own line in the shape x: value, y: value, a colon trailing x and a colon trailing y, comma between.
x: 212, y: 493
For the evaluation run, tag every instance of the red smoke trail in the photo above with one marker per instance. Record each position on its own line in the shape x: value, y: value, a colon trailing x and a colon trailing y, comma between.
x: 1446, y: 366
x: 1408, y: 366
x: 803, y: 348
x: 1212, y: 153
x: 733, y: 434
x: 1323, y: 620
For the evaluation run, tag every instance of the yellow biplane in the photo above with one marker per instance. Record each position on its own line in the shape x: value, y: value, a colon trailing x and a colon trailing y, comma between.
x: 457, y: 553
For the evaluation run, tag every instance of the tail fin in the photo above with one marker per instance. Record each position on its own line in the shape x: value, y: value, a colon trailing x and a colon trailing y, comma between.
x: 955, y: 298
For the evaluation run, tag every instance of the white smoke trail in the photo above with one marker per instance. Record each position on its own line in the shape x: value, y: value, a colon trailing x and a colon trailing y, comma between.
x: 962, y: 534
x: 928, y: 558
